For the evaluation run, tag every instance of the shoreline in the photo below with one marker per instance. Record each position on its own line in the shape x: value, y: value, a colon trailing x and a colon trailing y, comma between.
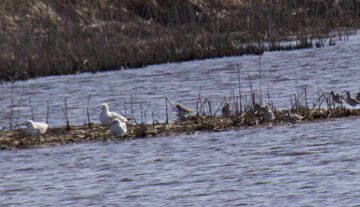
x: 52, y: 38
x: 17, y: 139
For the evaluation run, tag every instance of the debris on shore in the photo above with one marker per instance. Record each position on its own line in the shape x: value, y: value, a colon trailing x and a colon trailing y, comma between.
x: 191, y: 124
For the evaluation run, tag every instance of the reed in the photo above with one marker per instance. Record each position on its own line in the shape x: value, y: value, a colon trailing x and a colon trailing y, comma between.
x: 47, y: 112
x: 87, y: 110
x: 260, y: 76
x: 239, y: 85
x: 32, y: 110
x: 66, y: 114
x: 166, y: 111
x: 131, y: 105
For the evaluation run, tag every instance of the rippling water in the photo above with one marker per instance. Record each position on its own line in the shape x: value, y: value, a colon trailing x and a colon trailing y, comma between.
x: 309, y: 165
x: 330, y: 68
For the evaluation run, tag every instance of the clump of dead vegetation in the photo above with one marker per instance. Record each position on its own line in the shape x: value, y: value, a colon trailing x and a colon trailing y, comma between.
x: 196, y: 123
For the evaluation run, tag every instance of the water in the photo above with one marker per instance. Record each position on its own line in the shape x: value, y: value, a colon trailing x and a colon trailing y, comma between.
x: 309, y: 165
x: 282, y: 72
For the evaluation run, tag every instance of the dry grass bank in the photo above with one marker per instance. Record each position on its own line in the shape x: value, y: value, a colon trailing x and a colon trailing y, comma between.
x: 39, y: 38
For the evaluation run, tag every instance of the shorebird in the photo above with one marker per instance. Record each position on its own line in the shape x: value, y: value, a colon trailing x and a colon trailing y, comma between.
x: 358, y: 96
x: 351, y: 100
x: 35, y: 128
x: 226, y: 110
x: 268, y: 113
x: 294, y: 118
x: 338, y: 98
x: 107, y: 116
x: 118, y: 128
x: 182, y: 110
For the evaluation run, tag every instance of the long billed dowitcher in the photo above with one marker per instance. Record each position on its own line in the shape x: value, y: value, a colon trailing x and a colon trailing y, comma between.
x: 118, y: 128
x: 294, y: 118
x: 351, y: 100
x: 358, y: 96
x: 338, y: 98
x: 182, y: 110
x: 107, y: 116
x: 226, y: 110
x: 268, y: 113
x: 34, y: 128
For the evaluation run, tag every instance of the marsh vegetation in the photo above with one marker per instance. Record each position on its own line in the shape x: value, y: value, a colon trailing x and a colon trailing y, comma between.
x: 40, y: 38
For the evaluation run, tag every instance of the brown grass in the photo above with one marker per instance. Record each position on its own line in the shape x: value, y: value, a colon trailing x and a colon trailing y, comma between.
x: 39, y: 38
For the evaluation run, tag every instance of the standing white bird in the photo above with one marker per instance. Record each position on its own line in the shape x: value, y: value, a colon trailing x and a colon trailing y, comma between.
x: 35, y: 128
x: 107, y: 116
x: 352, y: 101
x: 118, y: 128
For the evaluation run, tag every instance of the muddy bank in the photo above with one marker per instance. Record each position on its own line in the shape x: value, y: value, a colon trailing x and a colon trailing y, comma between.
x: 40, y: 38
x: 17, y: 139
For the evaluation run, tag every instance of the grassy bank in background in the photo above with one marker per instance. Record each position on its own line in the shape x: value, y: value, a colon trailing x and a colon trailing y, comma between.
x: 40, y: 38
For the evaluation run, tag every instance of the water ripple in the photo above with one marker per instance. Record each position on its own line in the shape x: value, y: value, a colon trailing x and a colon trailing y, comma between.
x: 308, y: 165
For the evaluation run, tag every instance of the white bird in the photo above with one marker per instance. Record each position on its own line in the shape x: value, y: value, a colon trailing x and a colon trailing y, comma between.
x: 35, y: 128
x: 118, y: 128
x: 107, y: 116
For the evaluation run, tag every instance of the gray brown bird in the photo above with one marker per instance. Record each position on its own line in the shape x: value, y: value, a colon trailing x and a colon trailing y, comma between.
x: 226, y: 110
x: 294, y: 118
x: 351, y: 100
x: 182, y: 110
x: 268, y: 113
x: 358, y: 96
x: 338, y: 98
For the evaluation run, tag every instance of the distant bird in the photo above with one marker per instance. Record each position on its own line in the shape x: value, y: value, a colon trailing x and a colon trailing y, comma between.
x: 294, y: 118
x: 107, y: 116
x: 268, y: 113
x: 226, y: 110
x: 351, y: 100
x: 182, y: 110
x: 118, y: 128
x: 338, y: 98
x: 358, y: 96
x: 35, y: 128
x: 297, y: 98
x: 257, y: 106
